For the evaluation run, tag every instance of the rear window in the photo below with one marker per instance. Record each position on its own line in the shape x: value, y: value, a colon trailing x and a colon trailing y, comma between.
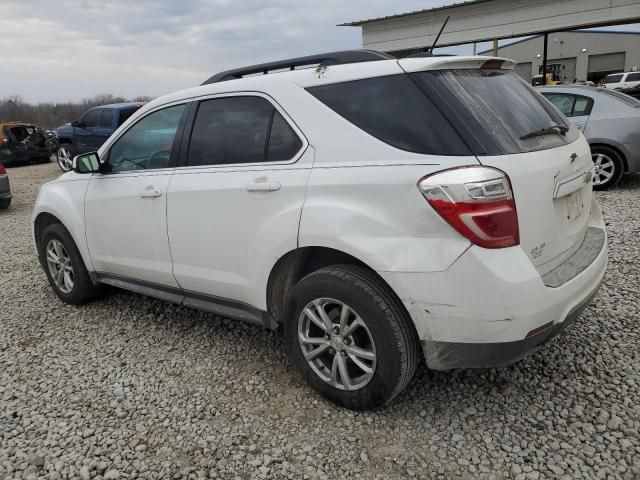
x: 395, y: 111
x: 613, y: 78
x: 494, y: 109
x: 623, y: 97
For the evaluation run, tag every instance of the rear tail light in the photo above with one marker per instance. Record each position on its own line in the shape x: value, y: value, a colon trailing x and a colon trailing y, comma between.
x: 4, y: 140
x: 477, y: 202
x: 3, y: 171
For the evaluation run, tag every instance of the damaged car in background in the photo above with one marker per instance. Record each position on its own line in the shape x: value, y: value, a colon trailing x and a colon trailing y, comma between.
x: 22, y: 142
x: 5, y: 189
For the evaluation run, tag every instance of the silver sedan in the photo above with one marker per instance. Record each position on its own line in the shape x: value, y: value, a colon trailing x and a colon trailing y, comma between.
x: 611, y: 122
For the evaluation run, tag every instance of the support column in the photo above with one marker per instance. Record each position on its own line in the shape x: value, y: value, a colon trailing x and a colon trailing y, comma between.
x: 495, y: 47
x: 544, y: 59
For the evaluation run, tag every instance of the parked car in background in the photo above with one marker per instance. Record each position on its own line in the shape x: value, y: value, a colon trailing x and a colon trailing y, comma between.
x: 371, y: 206
x: 611, y: 122
x: 633, y: 91
x: 22, y: 142
x: 91, y: 131
x: 5, y: 189
x: 618, y: 81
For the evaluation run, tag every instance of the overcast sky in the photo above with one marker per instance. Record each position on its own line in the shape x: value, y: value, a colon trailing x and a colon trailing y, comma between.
x: 73, y: 49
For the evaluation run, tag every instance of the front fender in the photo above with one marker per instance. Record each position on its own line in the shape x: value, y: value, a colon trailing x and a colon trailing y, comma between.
x: 64, y: 199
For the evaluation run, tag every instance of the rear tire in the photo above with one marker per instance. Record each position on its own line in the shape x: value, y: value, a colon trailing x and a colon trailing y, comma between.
x: 609, y: 167
x: 5, y: 203
x: 64, y: 266
x: 378, y: 348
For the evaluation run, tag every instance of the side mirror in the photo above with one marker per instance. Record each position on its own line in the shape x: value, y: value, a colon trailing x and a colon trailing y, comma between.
x: 75, y: 123
x: 86, y: 163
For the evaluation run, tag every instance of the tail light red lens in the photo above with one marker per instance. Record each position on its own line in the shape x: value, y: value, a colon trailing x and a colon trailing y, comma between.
x: 477, y: 202
x: 3, y: 170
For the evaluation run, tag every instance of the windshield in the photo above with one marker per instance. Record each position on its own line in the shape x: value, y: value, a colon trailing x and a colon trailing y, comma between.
x: 496, y: 111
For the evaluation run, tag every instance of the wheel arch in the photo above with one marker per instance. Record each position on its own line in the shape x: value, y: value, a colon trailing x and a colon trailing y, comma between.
x: 599, y: 143
x: 298, y: 263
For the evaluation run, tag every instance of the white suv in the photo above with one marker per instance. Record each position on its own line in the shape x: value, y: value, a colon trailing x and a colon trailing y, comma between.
x: 375, y: 209
x: 618, y: 81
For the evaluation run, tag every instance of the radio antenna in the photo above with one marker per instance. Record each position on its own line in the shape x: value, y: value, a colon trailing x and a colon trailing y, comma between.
x: 439, y: 33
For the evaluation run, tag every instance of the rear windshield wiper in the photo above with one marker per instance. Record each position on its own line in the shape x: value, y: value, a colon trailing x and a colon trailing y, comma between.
x: 555, y: 128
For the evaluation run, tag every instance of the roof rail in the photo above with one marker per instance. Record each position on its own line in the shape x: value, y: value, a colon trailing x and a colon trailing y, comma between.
x: 326, y: 59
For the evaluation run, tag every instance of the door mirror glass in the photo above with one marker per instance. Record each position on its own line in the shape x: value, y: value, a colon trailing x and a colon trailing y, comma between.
x: 86, y: 163
x: 75, y: 123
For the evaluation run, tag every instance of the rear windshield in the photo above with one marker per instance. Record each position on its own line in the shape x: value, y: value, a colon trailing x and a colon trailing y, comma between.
x: 613, y: 78
x: 623, y: 97
x: 450, y: 112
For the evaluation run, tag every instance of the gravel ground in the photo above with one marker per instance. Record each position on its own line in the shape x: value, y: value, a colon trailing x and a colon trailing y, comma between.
x: 130, y: 387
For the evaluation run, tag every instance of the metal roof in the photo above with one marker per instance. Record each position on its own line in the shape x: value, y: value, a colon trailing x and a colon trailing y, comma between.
x: 429, y: 10
x: 615, y: 32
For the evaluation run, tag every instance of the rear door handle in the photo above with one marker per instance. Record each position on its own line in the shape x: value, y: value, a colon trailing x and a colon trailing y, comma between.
x: 150, y: 193
x: 263, y: 186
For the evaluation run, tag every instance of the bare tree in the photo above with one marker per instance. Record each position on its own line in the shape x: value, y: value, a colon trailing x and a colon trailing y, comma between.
x: 49, y: 115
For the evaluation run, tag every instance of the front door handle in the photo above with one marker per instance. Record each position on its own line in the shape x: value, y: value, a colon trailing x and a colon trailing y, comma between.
x: 150, y: 192
x: 263, y: 186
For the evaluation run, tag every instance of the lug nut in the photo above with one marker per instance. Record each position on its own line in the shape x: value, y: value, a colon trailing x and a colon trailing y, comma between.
x: 343, y: 353
x: 336, y: 330
x: 332, y: 351
x: 347, y: 341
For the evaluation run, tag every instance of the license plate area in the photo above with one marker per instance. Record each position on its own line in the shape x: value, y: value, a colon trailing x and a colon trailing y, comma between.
x: 574, y: 206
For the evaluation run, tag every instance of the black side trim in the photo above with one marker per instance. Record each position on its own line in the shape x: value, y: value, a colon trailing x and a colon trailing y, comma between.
x: 208, y: 303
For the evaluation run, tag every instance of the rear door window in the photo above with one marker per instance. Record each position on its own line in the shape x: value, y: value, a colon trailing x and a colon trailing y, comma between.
x: 106, y: 120
x: 241, y: 129
x: 562, y: 102
x: 395, y: 111
x: 570, y: 105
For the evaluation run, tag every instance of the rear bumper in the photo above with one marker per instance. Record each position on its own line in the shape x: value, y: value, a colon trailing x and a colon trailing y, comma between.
x: 486, y: 308
x: 448, y: 355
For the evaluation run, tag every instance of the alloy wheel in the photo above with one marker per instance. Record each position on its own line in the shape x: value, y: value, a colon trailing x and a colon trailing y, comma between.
x: 65, y: 160
x: 604, y: 168
x: 337, y: 344
x: 60, y: 267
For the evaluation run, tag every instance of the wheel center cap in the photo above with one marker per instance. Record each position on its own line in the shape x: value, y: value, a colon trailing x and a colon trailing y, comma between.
x: 336, y: 343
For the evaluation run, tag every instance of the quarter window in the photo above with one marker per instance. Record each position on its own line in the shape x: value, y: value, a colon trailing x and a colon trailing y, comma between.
x: 633, y: 77
x: 233, y: 130
x: 148, y: 143
x: 394, y: 110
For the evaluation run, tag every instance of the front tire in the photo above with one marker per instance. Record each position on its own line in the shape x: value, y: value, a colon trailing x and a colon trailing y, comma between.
x: 64, y: 266
x: 609, y: 167
x: 350, y: 337
x: 64, y: 157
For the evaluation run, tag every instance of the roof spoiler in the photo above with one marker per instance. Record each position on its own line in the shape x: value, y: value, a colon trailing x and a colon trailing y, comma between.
x: 324, y: 59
